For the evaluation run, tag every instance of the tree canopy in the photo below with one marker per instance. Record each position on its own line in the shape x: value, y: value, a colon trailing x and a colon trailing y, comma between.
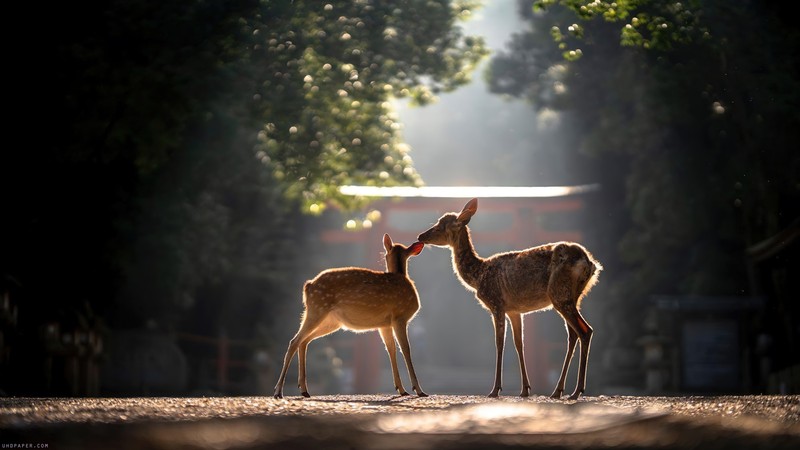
x: 683, y: 110
x: 329, y: 75
x: 166, y: 148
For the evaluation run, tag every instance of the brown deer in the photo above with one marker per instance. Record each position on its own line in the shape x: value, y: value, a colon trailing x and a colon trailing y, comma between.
x: 511, y: 284
x: 360, y: 300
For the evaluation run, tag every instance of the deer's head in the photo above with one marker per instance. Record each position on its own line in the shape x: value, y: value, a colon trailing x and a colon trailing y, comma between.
x: 447, y: 229
x: 397, y: 254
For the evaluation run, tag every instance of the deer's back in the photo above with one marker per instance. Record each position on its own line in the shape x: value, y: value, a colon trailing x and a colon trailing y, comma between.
x: 522, y: 277
x: 362, y: 298
x: 528, y: 279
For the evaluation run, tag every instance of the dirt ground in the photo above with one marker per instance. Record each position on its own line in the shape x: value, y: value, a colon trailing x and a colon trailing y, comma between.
x: 387, y: 422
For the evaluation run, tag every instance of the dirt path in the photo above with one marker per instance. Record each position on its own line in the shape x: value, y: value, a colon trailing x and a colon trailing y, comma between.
x: 381, y: 421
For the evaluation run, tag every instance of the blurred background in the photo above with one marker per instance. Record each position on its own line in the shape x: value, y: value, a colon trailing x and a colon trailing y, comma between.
x: 174, y: 170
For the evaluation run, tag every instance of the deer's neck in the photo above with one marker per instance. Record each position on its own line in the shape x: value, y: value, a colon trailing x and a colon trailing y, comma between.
x: 396, y: 264
x: 466, y: 261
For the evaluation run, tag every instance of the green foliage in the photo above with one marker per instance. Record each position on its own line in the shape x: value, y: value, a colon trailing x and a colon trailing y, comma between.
x: 648, y: 24
x: 327, y: 74
x: 687, y: 123
x: 145, y: 85
x: 172, y: 145
x: 212, y: 222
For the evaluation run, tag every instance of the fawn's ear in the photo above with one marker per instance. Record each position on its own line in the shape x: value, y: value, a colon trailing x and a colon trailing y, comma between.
x: 387, y: 242
x: 469, y: 210
x: 415, y: 248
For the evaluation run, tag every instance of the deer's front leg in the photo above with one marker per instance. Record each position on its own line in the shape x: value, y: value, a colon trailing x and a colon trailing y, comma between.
x: 516, y: 330
x: 391, y: 349
x: 500, y: 339
x: 401, y: 331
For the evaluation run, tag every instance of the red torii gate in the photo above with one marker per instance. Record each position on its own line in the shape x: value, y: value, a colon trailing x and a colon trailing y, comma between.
x: 522, y: 204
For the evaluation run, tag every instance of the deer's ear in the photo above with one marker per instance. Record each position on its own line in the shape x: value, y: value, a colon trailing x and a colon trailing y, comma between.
x: 416, y: 248
x: 387, y: 242
x: 469, y: 210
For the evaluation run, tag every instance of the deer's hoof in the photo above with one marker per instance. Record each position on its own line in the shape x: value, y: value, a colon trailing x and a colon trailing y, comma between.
x: 306, y: 394
x: 526, y: 392
x: 421, y: 394
x: 278, y: 395
x: 574, y: 396
x: 404, y: 393
x: 495, y: 393
x: 556, y: 395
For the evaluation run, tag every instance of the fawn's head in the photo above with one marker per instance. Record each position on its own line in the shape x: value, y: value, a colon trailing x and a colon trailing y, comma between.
x: 446, y: 230
x: 397, y: 254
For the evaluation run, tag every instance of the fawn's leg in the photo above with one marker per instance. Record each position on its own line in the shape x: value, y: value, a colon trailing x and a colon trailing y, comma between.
x: 326, y: 327
x: 310, y: 321
x: 278, y: 393
x: 572, y: 339
x: 391, y: 348
x: 401, y: 331
x: 516, y: 330
x: 499, y: 342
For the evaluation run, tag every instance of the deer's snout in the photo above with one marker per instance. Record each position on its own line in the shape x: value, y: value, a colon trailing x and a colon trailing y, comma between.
x: 423, y: 237
x: 433, y: 236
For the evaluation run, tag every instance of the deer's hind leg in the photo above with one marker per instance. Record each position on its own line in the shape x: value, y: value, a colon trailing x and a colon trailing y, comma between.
x: 572, y: 339
x: 311, y: 320
x: 564, y: 296
x: 577, y: 327
x: 326, y: 326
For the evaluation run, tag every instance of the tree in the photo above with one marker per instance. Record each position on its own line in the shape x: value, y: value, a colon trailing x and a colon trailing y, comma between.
x: 682, y: 110
x: 711, y: 90
x: 328, y: 74
x: 169, y: 147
